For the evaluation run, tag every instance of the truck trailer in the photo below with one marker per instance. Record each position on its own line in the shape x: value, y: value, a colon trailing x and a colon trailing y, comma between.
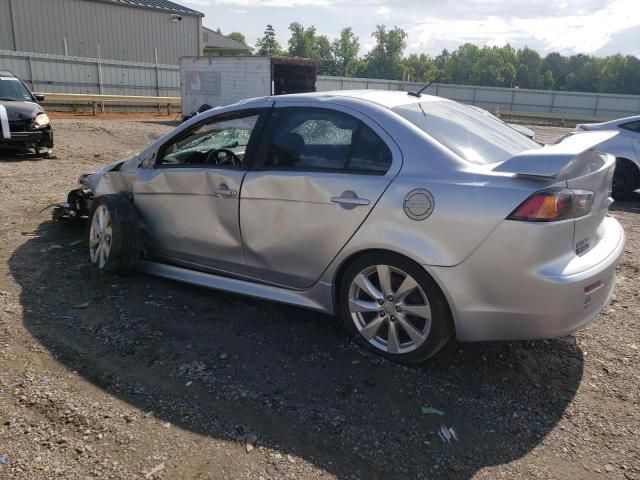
x: 217, y: 81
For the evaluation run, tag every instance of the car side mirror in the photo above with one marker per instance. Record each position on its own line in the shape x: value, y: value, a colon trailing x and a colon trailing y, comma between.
x: 39, y: 97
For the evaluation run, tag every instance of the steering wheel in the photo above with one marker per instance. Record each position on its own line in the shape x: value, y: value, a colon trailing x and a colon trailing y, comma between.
x: 216, y: 157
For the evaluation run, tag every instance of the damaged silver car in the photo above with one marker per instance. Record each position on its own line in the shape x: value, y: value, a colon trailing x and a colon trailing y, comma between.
x: 414, y: 218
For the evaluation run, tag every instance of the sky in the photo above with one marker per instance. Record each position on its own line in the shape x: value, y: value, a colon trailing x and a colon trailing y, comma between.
x: 599, y: 27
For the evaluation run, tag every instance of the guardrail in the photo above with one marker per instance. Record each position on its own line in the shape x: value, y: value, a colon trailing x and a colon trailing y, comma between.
x: 555, y: 119
x: 99, y: 101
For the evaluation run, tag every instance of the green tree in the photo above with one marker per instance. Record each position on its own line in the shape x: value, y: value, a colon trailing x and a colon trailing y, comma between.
x: 460, y: 64
x: 268, y: 45
x: 324, y: 55
x: 611, y: 77
x: 420, y: 68
x: 384, y: 59
x: 442, y: 59
x: 345, y: 52
x: 558, y: 65
x: 238, y: 37
x: 631, y: 77
x: 491, y: 69
x: 528, y: 71
x: 548, y: 83
x: 302, y: 42
x: 584, y: 71
x: 324, y: 50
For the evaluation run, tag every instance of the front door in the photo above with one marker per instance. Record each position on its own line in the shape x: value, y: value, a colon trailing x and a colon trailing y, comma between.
x: 321, y: 172
x: 189, y: 200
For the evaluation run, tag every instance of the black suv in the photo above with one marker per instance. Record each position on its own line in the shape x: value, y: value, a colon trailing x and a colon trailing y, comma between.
x: 23, y: 122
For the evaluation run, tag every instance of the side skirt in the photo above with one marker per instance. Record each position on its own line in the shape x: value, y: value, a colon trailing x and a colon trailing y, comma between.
x: 241, y: 287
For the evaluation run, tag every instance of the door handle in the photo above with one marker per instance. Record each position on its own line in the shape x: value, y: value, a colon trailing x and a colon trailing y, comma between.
x: 226, y: 192
x: 350, y: 201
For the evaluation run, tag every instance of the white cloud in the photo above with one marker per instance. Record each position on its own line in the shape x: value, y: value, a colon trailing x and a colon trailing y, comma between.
x: 567, y: 26
x: 579, y: 32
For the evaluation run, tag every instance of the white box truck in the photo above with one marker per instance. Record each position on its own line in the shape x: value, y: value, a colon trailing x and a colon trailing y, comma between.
x: 215, y: 81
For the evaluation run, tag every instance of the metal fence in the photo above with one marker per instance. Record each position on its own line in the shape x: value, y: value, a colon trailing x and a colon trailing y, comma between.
x: 62, y: 74
x: 579, y: 104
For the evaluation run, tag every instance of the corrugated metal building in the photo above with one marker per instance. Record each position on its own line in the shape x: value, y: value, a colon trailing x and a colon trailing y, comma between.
x: 130, y: 30
x: 214, y: 43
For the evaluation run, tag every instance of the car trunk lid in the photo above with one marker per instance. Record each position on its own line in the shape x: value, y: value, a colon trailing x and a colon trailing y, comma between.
x: 575, y: 163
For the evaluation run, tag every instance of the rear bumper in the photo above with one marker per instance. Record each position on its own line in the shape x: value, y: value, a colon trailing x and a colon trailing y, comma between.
x: 547, y: 301
x: 41, y: 138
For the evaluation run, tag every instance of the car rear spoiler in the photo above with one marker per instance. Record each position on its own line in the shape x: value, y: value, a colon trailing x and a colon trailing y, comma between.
x: 550, y: 160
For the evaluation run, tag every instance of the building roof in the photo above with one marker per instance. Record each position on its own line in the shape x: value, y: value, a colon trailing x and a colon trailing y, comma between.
x: 165, y: 5
x: 213, y: 42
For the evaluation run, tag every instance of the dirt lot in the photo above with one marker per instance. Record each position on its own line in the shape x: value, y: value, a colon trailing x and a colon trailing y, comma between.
x: 106, y: 377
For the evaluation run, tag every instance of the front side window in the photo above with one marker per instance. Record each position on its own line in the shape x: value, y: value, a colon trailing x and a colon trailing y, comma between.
x: 220, y: 142
x: 321, y: 139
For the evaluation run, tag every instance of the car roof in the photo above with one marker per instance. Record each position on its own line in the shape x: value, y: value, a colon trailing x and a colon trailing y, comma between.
x: 385, y: 98
x: 7, y: 73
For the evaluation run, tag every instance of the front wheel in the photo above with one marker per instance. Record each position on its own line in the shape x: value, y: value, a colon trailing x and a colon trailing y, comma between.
x: 114, y: 234
x: 392, y: 306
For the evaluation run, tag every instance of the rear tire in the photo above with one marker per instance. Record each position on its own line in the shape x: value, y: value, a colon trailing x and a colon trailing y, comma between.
x: 624, y: 181
x: 114, y: 234
x: 392, y: 306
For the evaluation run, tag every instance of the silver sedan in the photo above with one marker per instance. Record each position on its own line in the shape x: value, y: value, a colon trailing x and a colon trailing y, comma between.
x: 626, y: 148
x: 414, y: 218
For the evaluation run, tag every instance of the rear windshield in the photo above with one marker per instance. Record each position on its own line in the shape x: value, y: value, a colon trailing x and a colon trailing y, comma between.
x: 475, y: 136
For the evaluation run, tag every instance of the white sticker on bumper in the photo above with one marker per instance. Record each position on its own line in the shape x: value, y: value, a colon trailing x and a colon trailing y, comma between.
x: 4, y: 123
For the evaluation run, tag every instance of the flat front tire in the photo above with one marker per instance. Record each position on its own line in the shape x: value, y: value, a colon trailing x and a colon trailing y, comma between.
x: 114, y: 234
x: 392, y: 306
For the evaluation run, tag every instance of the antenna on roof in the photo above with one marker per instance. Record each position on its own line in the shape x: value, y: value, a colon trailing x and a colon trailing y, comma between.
x: 419, y: 92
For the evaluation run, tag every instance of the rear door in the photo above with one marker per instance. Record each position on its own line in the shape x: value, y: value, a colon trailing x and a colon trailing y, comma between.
x: 189, y: 200
x: 321, y: 171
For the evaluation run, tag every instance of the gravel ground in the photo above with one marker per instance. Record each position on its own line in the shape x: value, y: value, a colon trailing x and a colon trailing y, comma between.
x: 139, y: 378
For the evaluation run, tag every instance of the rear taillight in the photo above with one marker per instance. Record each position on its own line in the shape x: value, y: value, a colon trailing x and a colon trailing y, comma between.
x: 554, y: 204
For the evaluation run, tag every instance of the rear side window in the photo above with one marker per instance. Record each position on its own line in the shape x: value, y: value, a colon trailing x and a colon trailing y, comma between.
x: 322, y: 139
x: 632, y: 126
x: 470, y: 134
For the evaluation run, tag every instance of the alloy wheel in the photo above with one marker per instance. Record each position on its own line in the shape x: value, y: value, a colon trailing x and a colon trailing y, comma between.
x: 389, y: 309
x: 100, y: 236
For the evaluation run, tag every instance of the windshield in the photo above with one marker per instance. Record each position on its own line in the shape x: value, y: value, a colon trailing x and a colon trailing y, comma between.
x: 470, y: 134
x: 13, y: 89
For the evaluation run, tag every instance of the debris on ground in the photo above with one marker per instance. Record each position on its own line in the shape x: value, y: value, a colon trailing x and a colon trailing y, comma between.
x: 81, y: 305
x: 447, y: 434
x: 250, y: 442
x: 154, y: 470
x: 432, y: 411
x: 50, y: 247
